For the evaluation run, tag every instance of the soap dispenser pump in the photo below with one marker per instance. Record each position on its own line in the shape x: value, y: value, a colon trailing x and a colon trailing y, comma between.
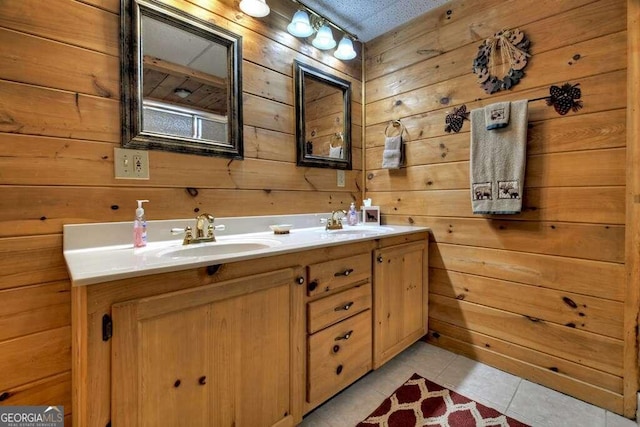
x: 140, y: 227
x: 352, y: 216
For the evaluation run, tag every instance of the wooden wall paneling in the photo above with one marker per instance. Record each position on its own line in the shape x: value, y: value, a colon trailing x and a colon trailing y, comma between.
x: 28, y: 260
x: 269, y: 145
x: 589, y: 241
x: 581, y: 389
x: 30, y: 309
x: 576, y: 169
x: 36, y: 356
x: 599, y: 92
x: 600, y: 130
x: 540, y: 204
x: 267, y: 83
x: 68, y: 205
x: 550, y: 363
x: 482, y: 23
x: 554, y: 60
x: 595, y: 351
x: 577, y: 311
x: 632, y: 245
x: 594, y: 278
x: 66, y: 21
x: 57, y: 113
x: 54, y: 390
x: 41, y: 62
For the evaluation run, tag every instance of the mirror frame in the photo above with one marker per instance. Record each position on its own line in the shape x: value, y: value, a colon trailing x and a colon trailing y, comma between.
x: 301, y: 71
x: 131, y: 73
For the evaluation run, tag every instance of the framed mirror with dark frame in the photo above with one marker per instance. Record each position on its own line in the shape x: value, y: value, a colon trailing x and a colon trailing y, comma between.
x: 323, y: 118
x: 181, y: 82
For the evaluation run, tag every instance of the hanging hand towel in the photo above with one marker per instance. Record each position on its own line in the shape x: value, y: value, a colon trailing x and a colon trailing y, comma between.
x: 498, y: 162
x: 496, y: 116
x: 392, y: 156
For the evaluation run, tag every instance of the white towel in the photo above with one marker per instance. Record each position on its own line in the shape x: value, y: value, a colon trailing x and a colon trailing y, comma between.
x: 335, y: 152
x: 392, y: 154
x: 496, y: 116
x: 498, y: 162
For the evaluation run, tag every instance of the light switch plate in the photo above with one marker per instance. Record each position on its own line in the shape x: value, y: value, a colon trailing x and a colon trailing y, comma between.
x: 340, y: 178
x: 131, y: 164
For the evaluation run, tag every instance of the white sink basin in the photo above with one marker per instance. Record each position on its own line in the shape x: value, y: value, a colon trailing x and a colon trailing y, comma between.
x: 218, y: 248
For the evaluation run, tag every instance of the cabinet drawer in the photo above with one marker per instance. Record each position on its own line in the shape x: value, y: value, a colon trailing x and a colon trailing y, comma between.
x: 337, y: 273
x: 332, y: 309
x: 338, y: 356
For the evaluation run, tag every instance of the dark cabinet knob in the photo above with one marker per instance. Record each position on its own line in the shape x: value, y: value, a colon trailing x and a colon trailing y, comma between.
x: 336, y: 348
x: 379, y: 259
x: 339, y: 369
x: 300, y: 280
x: 177, y: 383
x: 313, y: 285
x: 345, y: 307
x: 346, y: 272
x: 202, y: 380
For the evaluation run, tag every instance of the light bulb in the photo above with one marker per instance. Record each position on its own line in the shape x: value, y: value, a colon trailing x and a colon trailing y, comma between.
x: 255, y: 8
x: 324, y: 39
x: 300, y: 25
x: 345, y: 50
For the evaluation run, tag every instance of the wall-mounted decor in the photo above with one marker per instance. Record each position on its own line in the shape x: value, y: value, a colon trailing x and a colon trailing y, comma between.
x: 512, y: 47
x: 563, y: 98
x: 181, y: 88
x: 323, y: 118
x: 455, y: 120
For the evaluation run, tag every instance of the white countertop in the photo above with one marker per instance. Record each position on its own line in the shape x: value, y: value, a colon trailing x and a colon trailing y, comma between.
x: 103, y: 252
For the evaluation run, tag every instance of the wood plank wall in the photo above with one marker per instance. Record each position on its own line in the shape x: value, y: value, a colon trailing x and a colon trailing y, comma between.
x: 540, y: 294
x: 59, y: 124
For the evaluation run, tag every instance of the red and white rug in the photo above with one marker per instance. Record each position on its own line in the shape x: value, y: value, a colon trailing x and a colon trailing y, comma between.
x: 420, y: 402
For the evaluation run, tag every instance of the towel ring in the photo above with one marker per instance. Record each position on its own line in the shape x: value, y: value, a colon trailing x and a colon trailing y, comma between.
x: 396, y: 124
x: 339, y: 137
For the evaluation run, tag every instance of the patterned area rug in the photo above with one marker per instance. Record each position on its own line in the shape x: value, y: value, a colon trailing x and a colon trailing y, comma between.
x: 420, y: 402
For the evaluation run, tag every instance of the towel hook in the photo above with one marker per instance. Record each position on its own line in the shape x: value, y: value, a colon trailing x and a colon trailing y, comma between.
x: 395, y: 124
x: 563, y: 98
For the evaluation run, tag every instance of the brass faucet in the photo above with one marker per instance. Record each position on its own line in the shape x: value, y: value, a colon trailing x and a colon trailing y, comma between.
x: 335, y: 221
x: 200, y: 236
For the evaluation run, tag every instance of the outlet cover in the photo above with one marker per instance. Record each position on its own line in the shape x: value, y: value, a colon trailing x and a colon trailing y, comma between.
x: 131, y: 164
x: 340, y: 178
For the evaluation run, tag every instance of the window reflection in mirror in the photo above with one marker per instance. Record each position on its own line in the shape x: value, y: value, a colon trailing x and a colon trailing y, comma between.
x: 323, y: 111
x: 180, y: 82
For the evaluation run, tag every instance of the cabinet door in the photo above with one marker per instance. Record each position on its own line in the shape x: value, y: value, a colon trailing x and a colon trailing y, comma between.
x: 217, y: 355
x: 400, y: 299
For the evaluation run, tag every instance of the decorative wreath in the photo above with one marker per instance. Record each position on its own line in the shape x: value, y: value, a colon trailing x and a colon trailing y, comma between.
x: 514, y: 51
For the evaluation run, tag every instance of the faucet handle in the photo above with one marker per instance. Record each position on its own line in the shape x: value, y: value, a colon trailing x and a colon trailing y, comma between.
x: 176, y: 231
x: 220, y: 227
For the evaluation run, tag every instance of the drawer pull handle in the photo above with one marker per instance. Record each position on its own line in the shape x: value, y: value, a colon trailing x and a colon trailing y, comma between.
x: 313, y: 285
x: 347, y: 272
x: 336, y: 348
x: 345, y: 307
x: 339, y: 370
x: 345, y: 336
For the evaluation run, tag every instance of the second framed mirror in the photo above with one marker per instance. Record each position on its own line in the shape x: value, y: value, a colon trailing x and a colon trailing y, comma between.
x: 323, y: 118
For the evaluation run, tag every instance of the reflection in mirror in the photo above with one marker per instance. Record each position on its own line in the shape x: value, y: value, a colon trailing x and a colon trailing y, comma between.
x: 323, y: 118
x: 181, y: 79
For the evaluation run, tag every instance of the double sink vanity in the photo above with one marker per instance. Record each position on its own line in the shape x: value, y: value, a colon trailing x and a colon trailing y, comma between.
x: 252, y: 329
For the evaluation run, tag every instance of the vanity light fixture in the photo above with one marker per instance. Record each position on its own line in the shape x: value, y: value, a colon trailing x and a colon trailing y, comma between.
x: 345, y: 50
x: 304, y: 26
x: 324, y: 39
x: 255, y: 8
x: 182, y: 92
x: 300, y: 25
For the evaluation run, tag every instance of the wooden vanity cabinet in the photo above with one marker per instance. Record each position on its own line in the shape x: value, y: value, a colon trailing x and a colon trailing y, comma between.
x: 339, y: 340
x: 253, y: 343
x: 216, y: 355
x: 400, y: 299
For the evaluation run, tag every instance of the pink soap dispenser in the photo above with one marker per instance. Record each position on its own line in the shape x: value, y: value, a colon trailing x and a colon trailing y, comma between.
x: 140, y: 227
